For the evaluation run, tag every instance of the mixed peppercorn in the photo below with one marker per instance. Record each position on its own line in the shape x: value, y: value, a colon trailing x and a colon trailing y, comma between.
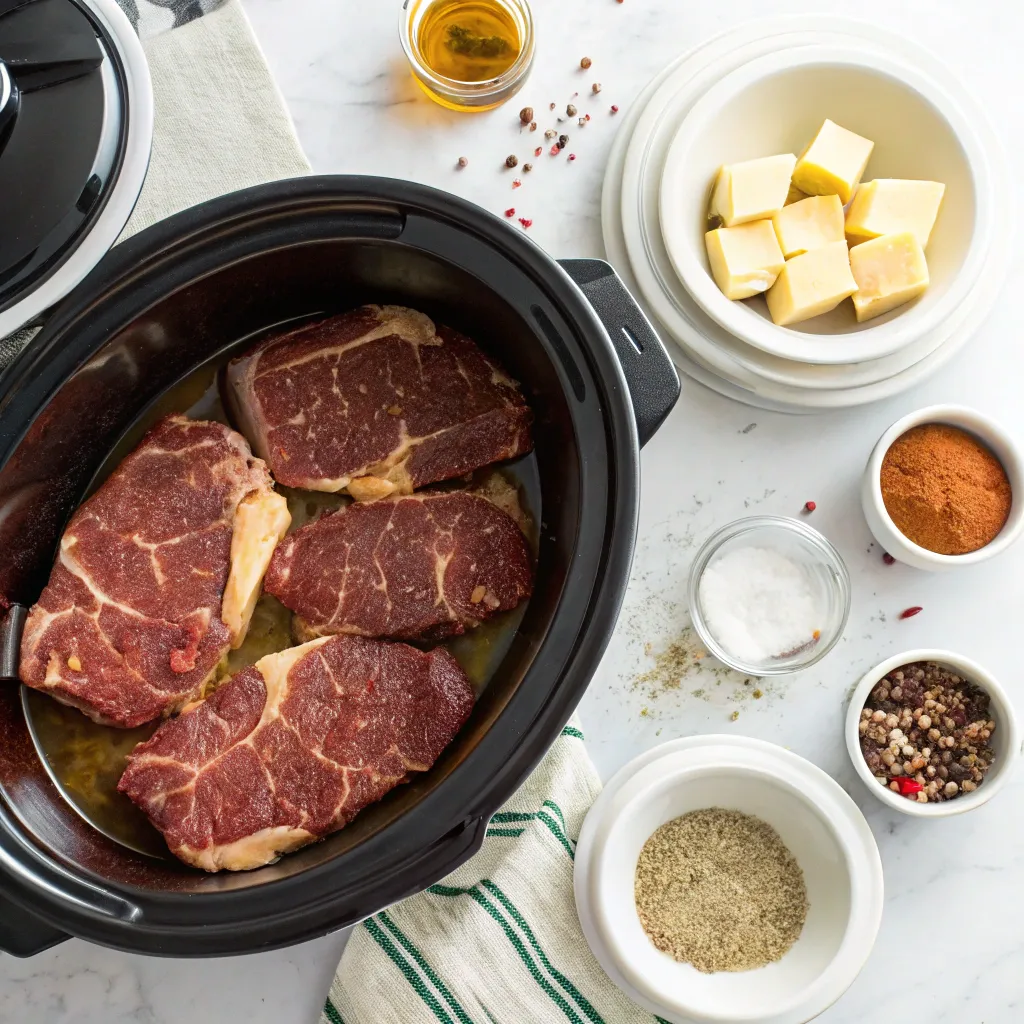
x: 925, y: 731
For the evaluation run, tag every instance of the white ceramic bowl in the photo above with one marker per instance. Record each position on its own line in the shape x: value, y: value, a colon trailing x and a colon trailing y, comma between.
x: 817, y: 821
x: 775, y: 104
x: 885, y: 530
x: 1005, y: 743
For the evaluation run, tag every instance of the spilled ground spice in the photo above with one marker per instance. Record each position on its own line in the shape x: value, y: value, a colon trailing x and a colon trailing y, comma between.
x: 944, y: 489
x: 719, y: 889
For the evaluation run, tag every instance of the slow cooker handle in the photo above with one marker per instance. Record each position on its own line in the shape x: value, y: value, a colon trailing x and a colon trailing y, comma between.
x: 650, y: 375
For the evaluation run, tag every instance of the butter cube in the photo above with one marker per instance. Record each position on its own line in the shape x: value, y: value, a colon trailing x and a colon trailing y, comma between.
x: 751, y: 190
x: 811, y: 284
x: 833, y: 163
x: 746, y: 259
x: 889, y: 270
x: 809, y: 224
x: 888, y: 206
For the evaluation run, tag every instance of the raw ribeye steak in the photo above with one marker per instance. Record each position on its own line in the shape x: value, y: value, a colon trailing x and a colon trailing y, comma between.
x: 425, y: 566
x: 294, y: 747
x: 376, y: 401
x: 157, y: 575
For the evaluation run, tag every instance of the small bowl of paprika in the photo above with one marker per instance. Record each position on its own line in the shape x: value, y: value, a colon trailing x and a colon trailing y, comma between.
x: 944, y: 487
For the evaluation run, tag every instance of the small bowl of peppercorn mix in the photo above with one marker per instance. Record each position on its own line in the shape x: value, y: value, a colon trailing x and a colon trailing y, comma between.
x: 944, y: 487
x: 931, y: 733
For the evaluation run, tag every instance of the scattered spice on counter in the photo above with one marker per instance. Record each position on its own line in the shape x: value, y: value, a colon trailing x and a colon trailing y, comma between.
x: 538, y: 151
x: 555, y: 149
x: 516, y: 182
x: 461, y: 162
x: 924, y: 733
x: 810, y: 506
x: 595, y: 88
x: 759, y: 604
x: 526, y: 222
x: 582, y: 121
x: 526, y: 115
x: 585, y: 63
x: 563, y: 141
x: 511, y: 160
x: 527, y: 168
x: 720, y: 890
x: 533, y: 126
x: 944, y: 489
x: 570, y: 110
x: 510, y: 212
x: 734, y: 716
x: 887, y: 558
x: 572, y: 156
x: 550, y: 133
x: 551, y: 106
x: 614, y: 108
x: 909, y: 613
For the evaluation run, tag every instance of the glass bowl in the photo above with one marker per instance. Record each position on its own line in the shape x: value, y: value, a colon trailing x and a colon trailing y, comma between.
x: 468, y: 96
x: 801, y: 544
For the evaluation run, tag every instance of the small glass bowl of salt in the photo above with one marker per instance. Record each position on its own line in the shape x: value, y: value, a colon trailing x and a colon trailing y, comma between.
x: 769, y: 595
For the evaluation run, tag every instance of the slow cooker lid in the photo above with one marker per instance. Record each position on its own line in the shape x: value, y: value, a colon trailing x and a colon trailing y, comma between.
x: 65, y: 100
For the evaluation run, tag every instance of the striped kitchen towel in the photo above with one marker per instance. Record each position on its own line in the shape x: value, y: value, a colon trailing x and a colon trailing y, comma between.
x: 497, y: 941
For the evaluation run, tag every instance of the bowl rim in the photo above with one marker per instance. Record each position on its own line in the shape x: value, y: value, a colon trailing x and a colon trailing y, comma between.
x: 834, y: 808
x: 985, y: 429
x: 867, y: 343
x: 747, y: 524
x: 1005, y: 717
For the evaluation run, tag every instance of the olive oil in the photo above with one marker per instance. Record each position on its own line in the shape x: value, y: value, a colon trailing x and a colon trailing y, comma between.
x: 468, y: 40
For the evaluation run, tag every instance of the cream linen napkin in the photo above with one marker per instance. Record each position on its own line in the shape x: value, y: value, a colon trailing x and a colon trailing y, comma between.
x: 497, y: 941
x: 220, y: 122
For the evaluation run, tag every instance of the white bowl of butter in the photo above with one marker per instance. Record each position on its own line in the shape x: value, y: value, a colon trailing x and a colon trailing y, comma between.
x: 776, y: 105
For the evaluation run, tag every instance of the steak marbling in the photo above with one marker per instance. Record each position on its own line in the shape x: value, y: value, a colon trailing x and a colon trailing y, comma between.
x: 292, y: 748
x: 156, y: 576
x: 376, y: 401
x: 425, y: 566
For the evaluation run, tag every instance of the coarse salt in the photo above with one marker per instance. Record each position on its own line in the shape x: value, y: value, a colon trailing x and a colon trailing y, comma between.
x: 759, y: 604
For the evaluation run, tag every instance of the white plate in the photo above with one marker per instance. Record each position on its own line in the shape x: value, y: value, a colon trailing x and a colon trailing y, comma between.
x: 710, y: 355
x: 817, y: 820
x: 658, y: 283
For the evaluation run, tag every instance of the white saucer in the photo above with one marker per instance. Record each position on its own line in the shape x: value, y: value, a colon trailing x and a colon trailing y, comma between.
x: 709, y: 353
x: 815, y: 817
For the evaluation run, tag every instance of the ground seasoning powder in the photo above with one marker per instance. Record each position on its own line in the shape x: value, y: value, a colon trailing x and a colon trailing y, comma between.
x: 944, y: 489
x: 719, y: 890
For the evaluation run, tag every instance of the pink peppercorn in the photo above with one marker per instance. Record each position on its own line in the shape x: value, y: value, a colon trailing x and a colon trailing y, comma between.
x: 525, y: 222
x: 510, y: 212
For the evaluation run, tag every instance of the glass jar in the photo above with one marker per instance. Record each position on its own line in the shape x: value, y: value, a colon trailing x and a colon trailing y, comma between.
x: 468, y: 96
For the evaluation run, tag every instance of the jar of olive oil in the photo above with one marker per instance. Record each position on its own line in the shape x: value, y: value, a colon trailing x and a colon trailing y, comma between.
x: 468, y: 54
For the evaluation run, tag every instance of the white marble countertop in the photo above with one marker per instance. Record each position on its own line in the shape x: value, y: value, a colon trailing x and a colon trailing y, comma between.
x: 951, y: 942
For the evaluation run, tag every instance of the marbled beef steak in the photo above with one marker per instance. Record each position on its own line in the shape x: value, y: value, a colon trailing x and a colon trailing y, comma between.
x: 156, y: 576
x: 376, y: 401
x: 425, y: 566
x: 294, y: 747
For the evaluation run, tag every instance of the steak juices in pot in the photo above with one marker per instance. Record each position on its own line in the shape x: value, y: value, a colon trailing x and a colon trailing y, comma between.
x: 472, y: 586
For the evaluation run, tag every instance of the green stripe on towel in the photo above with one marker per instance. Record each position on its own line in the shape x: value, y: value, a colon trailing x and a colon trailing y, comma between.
x: 505, y: 923
x: 381, y: 938
x: 570, y: 730
x: 424, y: 966
x: 331, y: 1012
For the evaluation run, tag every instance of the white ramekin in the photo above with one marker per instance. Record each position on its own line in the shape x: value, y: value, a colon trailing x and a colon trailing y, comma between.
x: 775, y: 104
x: 815, y: 818
x: 885, y: 530
x: 1005, y: 743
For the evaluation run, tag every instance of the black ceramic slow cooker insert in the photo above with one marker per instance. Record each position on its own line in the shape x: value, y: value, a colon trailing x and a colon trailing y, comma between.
x: 171, y: 298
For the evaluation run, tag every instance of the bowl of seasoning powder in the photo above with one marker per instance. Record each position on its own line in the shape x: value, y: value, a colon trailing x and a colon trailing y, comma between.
x: 932, y: 733
x: 769, y: 595
x: 723, y: 879
x: 943, y: 487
